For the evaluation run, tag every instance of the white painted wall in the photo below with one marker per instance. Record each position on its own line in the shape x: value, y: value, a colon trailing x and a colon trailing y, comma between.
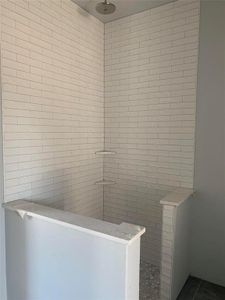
x: 150, y: 99
x: 53, y: 104
x: 85, y: 267
x: 2, y: 256
x: 208, y: 231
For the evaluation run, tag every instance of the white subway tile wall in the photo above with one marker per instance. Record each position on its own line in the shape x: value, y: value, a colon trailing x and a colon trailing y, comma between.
x: 167, y: 253
x: 54, y: 65
x: 52, y: 56
x: 150, y: 98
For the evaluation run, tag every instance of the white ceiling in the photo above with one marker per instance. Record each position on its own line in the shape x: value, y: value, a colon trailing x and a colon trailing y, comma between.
x: 123, y: 7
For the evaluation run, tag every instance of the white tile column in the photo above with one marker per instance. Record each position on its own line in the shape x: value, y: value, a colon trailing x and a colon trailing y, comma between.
x: 175, y: 243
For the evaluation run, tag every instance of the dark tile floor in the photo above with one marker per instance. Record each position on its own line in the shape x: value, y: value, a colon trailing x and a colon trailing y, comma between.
x: 197, y: 289
x: 194, y: 289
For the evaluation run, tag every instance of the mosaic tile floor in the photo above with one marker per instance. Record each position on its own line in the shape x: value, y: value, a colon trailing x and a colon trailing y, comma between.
x: 149, y: 281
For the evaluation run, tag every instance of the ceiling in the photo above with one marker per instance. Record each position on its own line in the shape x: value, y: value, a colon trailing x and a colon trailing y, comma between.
x: 123, y: 7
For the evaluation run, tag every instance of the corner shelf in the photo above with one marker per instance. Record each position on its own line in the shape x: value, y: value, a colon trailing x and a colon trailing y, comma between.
x: 105, y: 182
x: 105, y: 152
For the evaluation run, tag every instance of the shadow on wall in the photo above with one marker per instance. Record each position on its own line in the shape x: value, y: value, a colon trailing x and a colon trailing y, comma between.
x: 81, y: 11
x: 138, y: 203
x: 54, y: 189
x: 21, y: 240
x: 67, y: 189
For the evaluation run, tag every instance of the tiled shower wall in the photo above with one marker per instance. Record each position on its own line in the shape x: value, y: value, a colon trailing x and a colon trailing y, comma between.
x: 53, y: 104
x: 150, y: 99
x: 53, y: 108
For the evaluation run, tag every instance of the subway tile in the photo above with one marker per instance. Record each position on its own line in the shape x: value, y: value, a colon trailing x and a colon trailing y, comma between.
x: 150, y: 105
x: 49, y: 61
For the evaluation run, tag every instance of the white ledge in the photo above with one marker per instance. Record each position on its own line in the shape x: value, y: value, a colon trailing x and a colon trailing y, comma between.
x: 177, y: 197
x: 124, y: 233
x: 105, y: 152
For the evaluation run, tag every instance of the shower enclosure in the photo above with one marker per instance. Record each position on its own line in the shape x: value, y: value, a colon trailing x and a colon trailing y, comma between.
x: 99, y: 119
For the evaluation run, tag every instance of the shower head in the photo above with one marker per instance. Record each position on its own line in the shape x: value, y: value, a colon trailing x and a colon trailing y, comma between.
x: 105, y: 7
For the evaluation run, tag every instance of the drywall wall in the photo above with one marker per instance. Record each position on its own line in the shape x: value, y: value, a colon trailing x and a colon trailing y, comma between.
x: 53, y: 104
x: 87, y: 267
x: 208, y: 231
x: 150, y: 100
